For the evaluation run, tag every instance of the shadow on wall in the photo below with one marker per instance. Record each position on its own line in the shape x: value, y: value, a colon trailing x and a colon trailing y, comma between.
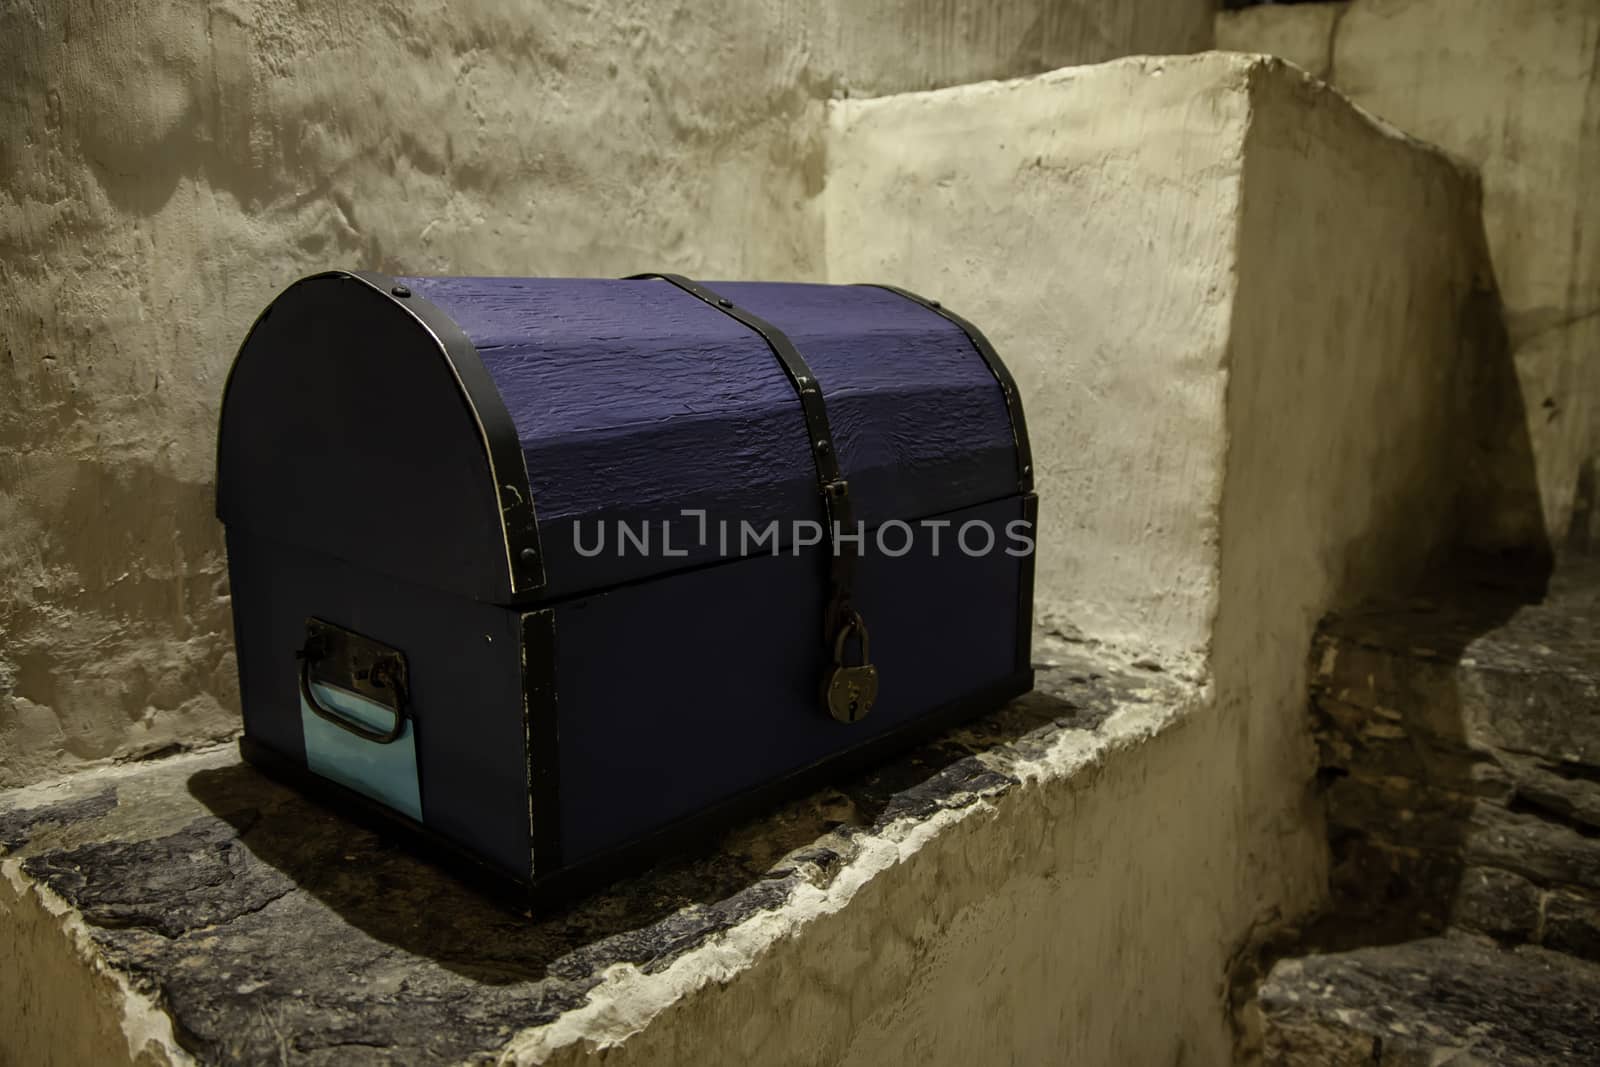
x: 1397, y: 770
x: 1583, y: 532
x: 1501, y: 508
x: 1401, y: 777
x: 1397, y: 776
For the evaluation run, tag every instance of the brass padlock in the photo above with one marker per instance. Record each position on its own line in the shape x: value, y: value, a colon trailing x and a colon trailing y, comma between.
x: 851, y: 691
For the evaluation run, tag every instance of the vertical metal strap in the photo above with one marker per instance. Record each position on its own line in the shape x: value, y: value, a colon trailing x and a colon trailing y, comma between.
x: 836, y: 506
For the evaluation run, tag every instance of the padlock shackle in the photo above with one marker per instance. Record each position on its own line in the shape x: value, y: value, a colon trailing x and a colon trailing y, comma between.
x: 853, y: 622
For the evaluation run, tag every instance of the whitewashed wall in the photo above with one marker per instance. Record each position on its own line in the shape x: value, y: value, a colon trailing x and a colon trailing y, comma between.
x: 1515, y: 90
x: 166, y: 167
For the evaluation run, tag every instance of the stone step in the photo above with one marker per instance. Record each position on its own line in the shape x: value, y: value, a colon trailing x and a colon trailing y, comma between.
x: 1459, y: 740
x: 189, y: 910
x: 1456, y: 1000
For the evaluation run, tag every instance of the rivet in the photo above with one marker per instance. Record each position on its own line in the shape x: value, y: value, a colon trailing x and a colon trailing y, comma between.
x: 1026, y: 469
x: 400, y: 291
x: 824, y: 447
x: 724, y: 302
x: 935, y: 304
x: 528, y: 556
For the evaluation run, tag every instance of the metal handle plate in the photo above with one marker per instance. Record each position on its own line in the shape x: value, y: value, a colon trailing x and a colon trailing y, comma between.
x: 356, y: 664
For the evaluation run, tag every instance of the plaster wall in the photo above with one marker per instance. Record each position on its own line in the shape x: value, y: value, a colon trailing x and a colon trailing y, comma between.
x: 1299, y: 33
x: 1368, y: 386
x: 1514, y: 89
x: 166, y: 167
x: 1085, y: 219
x: 66, y: 1005
x: 1285, y: 415
x: 1071, y: 923
x: 1092, y: 915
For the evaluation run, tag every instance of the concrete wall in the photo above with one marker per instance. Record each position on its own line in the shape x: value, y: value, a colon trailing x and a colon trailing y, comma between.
x: 169, y: 166
x: 1515, y: 89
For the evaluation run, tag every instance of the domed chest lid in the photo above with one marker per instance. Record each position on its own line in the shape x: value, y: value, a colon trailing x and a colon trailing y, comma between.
x: 518, y: 439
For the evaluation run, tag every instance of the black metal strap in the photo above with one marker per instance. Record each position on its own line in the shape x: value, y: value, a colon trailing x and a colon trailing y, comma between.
x: 508, y: 469
x: 836, y: 506
x: 997, y: 367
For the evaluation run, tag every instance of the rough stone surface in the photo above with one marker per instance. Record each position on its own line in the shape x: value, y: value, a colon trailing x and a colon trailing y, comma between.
x: 1515, y: 88
x: 1460, y: 736
x: 167, y: 167
x: 268, y: 928
x: 64, y: 1004
x: 1456, y: 1000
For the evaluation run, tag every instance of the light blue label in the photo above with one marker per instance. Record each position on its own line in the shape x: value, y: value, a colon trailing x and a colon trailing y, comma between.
x: 386, y: 773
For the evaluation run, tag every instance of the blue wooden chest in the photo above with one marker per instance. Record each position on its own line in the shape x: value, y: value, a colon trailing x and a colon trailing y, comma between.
x: 555, y: 572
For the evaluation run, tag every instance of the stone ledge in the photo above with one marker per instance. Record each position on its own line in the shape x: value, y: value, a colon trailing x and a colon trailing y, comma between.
x: 1489, y: 619
x: 263, y: 925
x: 1455, y: 1000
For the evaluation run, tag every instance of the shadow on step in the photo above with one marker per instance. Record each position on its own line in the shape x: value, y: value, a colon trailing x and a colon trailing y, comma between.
x: 271, y: 926
x: 1402, y: 774
x: 1397, y: 708
x: 384, y: 890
